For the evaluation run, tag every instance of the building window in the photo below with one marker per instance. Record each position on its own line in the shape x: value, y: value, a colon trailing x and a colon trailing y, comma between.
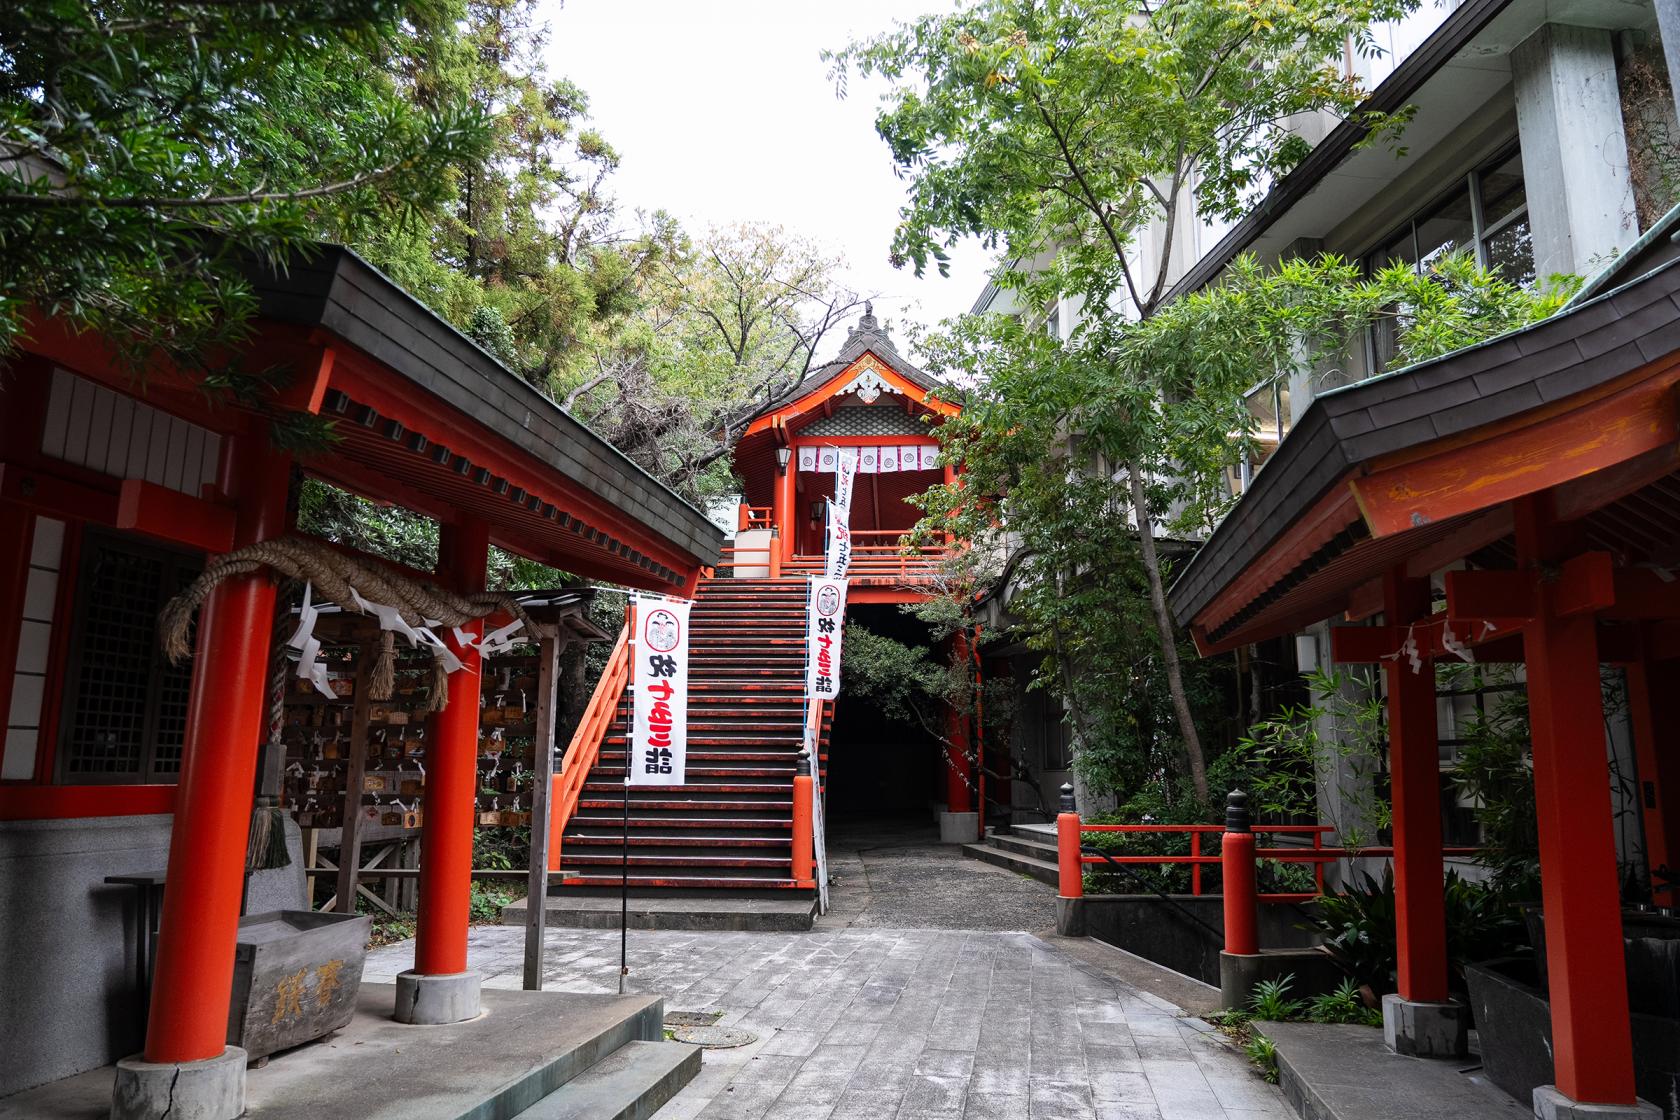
x: 1053, y: 323
x: 1055, y: 738
x: 125, y: 707
x: 1486, y: 213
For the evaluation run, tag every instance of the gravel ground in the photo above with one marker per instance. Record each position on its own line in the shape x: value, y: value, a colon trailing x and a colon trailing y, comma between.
x: 893, y: 875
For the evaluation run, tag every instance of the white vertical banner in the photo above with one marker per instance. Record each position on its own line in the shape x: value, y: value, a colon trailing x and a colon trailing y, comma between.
x: 659, y: 720
x: 869, y: 459
x: 824, y: 622
x: 929, y: 458
x: 840, y: 514
x: 807, y: 458
x: 889, y: 460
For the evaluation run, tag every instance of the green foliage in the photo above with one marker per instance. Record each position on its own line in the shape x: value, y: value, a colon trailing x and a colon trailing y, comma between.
x: 1270, y: 1000
x: 487, y: 900
x: 1358, y: 927
x: 1344, y: 1005
x: 345, y: 518
x: 152, y: 148
x: 1281, y: 758
x: 991, y: 116
x: 1262, y: 1053
x: 1495, y: 771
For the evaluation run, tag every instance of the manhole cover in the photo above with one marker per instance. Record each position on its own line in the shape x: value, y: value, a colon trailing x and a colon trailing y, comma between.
x: 699, y: 1028
x: 713, y: 1038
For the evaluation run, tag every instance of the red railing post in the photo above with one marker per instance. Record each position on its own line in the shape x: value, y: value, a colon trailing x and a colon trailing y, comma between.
x: 803, y: 797
x: 1236, y: 859
x: 1196, y: 864
x: 1070, y: 868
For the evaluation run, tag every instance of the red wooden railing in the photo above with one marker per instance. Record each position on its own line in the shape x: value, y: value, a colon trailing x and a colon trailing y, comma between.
x: 567, y: 786
x: 1318, y: 854
x: 755, y: 517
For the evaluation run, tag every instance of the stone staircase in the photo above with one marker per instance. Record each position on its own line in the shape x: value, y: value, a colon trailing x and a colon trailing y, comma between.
x: 1028, y: 849
x: 630, y: 1083
x: 729, y: 829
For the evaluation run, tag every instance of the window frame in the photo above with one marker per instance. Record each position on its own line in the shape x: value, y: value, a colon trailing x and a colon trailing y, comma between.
x: 1470, y: 181
x: 174, y: 560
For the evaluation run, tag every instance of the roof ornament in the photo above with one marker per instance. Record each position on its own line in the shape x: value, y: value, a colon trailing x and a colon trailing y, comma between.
x: 868, y: 325
x: 868, y: 385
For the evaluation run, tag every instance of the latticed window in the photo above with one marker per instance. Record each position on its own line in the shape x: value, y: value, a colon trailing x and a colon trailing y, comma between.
x: 125, y: 707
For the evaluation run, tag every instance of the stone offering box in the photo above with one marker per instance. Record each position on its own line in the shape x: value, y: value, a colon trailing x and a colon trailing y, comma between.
x: 295, y: 978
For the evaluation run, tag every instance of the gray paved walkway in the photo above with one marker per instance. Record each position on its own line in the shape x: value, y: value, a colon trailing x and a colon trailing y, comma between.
x: 917, y: 998
x: 892, y: 875
x: 908, y: 1024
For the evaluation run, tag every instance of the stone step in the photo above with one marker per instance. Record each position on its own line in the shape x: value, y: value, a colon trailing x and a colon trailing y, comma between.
x: 631, y: 1083
x: 1022, y: 845
x: 752, y: 910
x: 1042, y: 870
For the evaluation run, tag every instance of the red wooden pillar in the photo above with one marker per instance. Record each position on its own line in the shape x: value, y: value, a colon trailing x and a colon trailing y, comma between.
x: 446, y: 840
x: 1591, y: 1037
x: 782, y: 516
x: 1654, y: 711
x: 1419, y: 912
x: 193, y: 977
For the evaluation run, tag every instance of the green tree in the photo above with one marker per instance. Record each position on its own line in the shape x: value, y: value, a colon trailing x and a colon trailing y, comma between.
x: 1045, y: 428
x: 727, y: 324
x: 148, y: 150
x: 1064, y: 130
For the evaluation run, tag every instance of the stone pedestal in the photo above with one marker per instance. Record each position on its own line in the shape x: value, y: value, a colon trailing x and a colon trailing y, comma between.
x: 1070, y: 917
x: 1549, y: 1104
x: 1425, y: 1030
x: 435, y: 999
x: 213, y: 1089
x: 959, y: 828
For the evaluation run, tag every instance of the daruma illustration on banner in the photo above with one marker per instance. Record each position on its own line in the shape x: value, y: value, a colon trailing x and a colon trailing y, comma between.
x: 659, y: 720
x: 825, y: 617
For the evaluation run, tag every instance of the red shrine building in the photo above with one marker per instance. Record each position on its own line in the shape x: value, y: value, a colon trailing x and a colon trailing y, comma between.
x: 121, y: 769
x: 1515, y: 502
x: 730, y: 830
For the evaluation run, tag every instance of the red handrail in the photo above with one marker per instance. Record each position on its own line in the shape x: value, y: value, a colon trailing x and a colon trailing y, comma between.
x: 1318, y: 855
x: 566, y: 787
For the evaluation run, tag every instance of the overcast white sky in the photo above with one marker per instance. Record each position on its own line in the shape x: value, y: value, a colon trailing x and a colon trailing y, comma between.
x: 722, y: 111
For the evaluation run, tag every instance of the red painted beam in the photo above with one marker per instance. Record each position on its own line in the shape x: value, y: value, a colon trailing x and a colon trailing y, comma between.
x: 170, y: 515
x: 45, y: 493
x: 1564, y: 444
x: 1491, y: 594
x: 52, y: 803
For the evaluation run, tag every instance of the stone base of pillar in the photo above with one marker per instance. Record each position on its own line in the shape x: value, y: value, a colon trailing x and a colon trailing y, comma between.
x: 1549, y: 1104
x: 959, y: 828
x: 1070, y: 917
x: 1425, y: 1030
x: 213, y: 1089
x: 435, y: 1000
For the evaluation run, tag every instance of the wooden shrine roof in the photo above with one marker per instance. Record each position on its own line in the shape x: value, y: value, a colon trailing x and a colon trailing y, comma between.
x: 1419, y: 466
x: 456, y: 426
